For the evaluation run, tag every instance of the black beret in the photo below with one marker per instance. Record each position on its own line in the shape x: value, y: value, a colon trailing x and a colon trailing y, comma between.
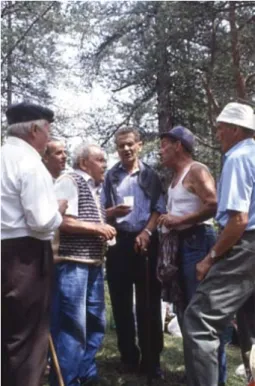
x: 25, y: 112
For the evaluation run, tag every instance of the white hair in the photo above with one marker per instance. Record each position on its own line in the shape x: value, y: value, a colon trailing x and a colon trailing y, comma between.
x: 82, y: 151
x: 23, y: 128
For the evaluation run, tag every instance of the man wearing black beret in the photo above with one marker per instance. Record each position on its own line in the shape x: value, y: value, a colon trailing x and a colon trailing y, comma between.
x: 30, y: 215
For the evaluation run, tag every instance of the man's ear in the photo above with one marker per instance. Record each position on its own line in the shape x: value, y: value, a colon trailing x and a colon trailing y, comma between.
x: 33, y: 130
x: 45, y: 158
x: 140, y: 144
x: 83, y: 164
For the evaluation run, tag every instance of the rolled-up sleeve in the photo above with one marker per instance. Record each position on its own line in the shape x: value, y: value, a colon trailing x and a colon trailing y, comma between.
x: 160, y: 205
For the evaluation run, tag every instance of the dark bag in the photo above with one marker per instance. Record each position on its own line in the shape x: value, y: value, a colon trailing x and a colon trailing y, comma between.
x: 168, y: 267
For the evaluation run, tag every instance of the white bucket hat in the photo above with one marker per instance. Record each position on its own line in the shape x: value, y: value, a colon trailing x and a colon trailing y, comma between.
x: 238, y: 114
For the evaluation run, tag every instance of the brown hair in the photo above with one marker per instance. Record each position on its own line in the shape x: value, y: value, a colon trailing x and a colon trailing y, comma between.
x: 127, y: 130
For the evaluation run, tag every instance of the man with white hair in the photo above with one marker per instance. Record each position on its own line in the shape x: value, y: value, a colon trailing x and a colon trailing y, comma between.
x: 78, y: 319
x: 30, y: 214
x: 228, y: 271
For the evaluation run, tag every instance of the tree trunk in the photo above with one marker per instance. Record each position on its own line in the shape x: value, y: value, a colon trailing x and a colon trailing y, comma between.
x: 240, y: 84
x: 163, y: 82
x: 9, y: 62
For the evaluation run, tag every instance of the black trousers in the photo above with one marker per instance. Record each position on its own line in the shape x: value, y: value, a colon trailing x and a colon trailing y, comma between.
x: 26, y: 285
x: 126, y: 268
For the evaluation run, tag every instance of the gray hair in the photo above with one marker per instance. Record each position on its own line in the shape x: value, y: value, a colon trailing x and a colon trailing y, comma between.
x: 23, y: 128
x: 82, y: 151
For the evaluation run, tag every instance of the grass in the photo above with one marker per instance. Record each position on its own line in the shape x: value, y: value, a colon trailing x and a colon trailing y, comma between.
x: 172, y: 361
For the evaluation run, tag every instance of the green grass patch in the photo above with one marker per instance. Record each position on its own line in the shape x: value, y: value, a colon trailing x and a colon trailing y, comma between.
x: 172, y: 360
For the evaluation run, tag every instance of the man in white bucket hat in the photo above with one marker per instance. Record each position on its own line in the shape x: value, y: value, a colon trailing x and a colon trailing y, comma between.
x: 228, y: 271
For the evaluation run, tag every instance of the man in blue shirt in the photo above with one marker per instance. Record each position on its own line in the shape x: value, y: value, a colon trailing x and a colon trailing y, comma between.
x: 134, y: 201
x: 228, y: 271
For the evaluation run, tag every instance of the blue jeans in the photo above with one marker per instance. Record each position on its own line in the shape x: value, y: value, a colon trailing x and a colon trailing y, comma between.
x: 77, y: 321
x: 195, y: 243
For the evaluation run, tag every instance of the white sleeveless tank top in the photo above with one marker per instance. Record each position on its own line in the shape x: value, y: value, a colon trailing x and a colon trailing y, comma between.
x: 181, y: 202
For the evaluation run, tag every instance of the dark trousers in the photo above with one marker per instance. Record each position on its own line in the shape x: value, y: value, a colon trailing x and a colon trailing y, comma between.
x: 126, y: 268
x: 26, y: 277
x: 195, y: 243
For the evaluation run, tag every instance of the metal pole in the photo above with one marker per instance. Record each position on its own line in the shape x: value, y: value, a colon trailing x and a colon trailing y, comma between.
x: 55, y: 362
x: 148, y: 319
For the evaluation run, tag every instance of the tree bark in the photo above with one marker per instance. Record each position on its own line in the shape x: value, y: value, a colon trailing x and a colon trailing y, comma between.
x: 9, y: 62
x: 163, y: 82
x: 239, y: 80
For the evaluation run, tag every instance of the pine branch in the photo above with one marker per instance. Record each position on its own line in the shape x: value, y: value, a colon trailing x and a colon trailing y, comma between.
x: 27, y: 31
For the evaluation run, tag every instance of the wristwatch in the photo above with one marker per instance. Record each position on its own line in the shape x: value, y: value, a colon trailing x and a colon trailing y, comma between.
x: 213, y: 254
x: 148, y: 231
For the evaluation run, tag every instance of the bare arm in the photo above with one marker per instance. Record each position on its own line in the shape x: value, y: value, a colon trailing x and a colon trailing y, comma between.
x: 72, y: 225
x: 230, y: 235
x: 199, y: 181
x: 232, y: 232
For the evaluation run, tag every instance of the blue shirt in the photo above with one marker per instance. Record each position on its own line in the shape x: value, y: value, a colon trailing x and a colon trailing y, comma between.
x: 138, y: 218
x: 236, y: 190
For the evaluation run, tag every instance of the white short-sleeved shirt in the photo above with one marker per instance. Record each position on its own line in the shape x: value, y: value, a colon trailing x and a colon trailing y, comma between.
x: 28, y: 203
x: 67, y: 189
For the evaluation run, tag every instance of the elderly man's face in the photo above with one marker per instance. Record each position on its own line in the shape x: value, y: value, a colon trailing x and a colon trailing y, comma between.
x: 95, y: 165
x: 41, y: 137
x: 55, y: 158
x: 167, y: 152
x: 225, y: 135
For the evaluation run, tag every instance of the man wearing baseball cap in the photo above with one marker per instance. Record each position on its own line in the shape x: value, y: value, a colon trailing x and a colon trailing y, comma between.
x: 30, y: 214
x: 228, y: 270
x: 191, y: 205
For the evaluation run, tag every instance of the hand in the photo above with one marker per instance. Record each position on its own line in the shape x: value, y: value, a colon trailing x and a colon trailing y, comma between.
x: 105, y: 230
x: 203, y: 267
x: 142, y: 242
x: 62, y: 206
x: 121, y: 210
x: 169, y: 221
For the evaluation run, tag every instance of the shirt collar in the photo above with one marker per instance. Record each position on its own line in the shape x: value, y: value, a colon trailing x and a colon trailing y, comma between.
x: 133, y: 172
x: 86, y: 177
x: 23, y: 144
x: 244, y: 142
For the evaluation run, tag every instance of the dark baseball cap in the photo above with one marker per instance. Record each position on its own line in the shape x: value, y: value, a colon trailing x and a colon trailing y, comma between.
x: 181, y: 134
x: 25, y: 112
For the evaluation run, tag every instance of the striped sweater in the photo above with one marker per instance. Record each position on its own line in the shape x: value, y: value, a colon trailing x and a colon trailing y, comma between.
x: 83, y: 246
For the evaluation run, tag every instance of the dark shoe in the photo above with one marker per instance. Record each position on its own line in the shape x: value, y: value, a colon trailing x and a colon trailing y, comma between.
x: 127, y: 368
x: 155, y: 373
x: 95, y: 382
